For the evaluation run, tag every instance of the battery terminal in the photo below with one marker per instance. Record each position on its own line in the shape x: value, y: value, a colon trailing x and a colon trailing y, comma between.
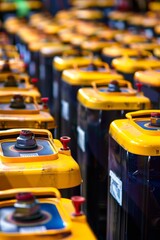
x: 27, y: 208
x: 17, y: 102
x: 155, y: 119
x: 113, y: 86
x: 26, y: 140
x: 11, y: 81
x: 6, y: 66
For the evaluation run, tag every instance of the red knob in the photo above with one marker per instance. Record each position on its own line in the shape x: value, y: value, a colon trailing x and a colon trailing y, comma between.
x: 45, y: 99
x: 45, y: 102
x: 77, y: 202
x: 139, y: 87
x: 26, y: 133
x: 21, y: 56
x: 34, y: 80
x: 115, y: 82
x: 65, y: 140
x: 25, y: 65
x: 123, y: 6
x: 24, y: 196
x: 155, y: 114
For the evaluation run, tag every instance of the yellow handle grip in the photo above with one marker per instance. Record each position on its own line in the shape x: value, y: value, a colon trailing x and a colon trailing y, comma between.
x: 97, y: 63
x: 35, y: 131
x: 140, y: 113
x: 121, y: 82
x: 40, y: 191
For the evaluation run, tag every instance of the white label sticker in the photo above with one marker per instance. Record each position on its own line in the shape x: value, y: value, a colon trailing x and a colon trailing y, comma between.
x: 32, y: 68
x: 32, y: 229
x: 5, y: 225
x: 148, y: 33
x: 81, y: 138
x: 119, y: 25
x: 115, y: 187
x: 42, y: 72
x: 55, y: 89
x: 65, y: 110
x: 28, y: 154
x: 27, y: 56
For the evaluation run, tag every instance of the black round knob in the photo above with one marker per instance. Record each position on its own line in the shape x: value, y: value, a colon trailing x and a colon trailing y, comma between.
x: 10, y: 82
x: 17, y: 102
x: 113, y: 86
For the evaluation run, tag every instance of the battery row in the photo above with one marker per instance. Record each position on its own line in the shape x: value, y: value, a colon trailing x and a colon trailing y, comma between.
x: 36, y: 169
x: 94, y: 68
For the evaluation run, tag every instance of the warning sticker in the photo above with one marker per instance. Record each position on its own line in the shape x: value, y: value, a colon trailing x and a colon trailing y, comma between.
x: 81, y: 138
x: 28, y: 154
x: 65, y: 110
x: 32, y: 229
x: 115, y: 187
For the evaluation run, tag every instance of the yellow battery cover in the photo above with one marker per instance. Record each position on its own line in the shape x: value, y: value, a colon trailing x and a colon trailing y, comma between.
x: 108, y: 34
x: 154, y: 6
x: 105, y: 3
x: 11, y: 6
x: 53, y: 28
x: 13, y: 24
x: 35, y: 18
x: 135, y: 19
x: 148, y: 46
x: 65, y: 14
x: 148, y: 77
x: 59, y: 218
x: 50, y: 51
x: 61, y: 63
x: 37, y: 46
x: 28, y: 34
x: 83, y: 77
x: 97, y: 44
x: 82, y: 4
x: 128, y: 38
x: 117, y: 51
x: 35, y: 5
x: 101, y: 98
x: 88, y: 14
x: 129, y: 65
x: 119, y: 15
x: 5, y: 6
x: 157, y: 29
x: 150, y: 22
x: 92, y: 3
x: 13, y: 65
x: 43, y: 23
x: 8, y: 47
x: 32, y: 158
x: 17, y: 84
x: 156, y: 52
x: 69, y: 36
x: 89, y: 29
x: 139, y: 133
x: 77, y: 39
x: 9, y: 54
x: 23, y: 111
